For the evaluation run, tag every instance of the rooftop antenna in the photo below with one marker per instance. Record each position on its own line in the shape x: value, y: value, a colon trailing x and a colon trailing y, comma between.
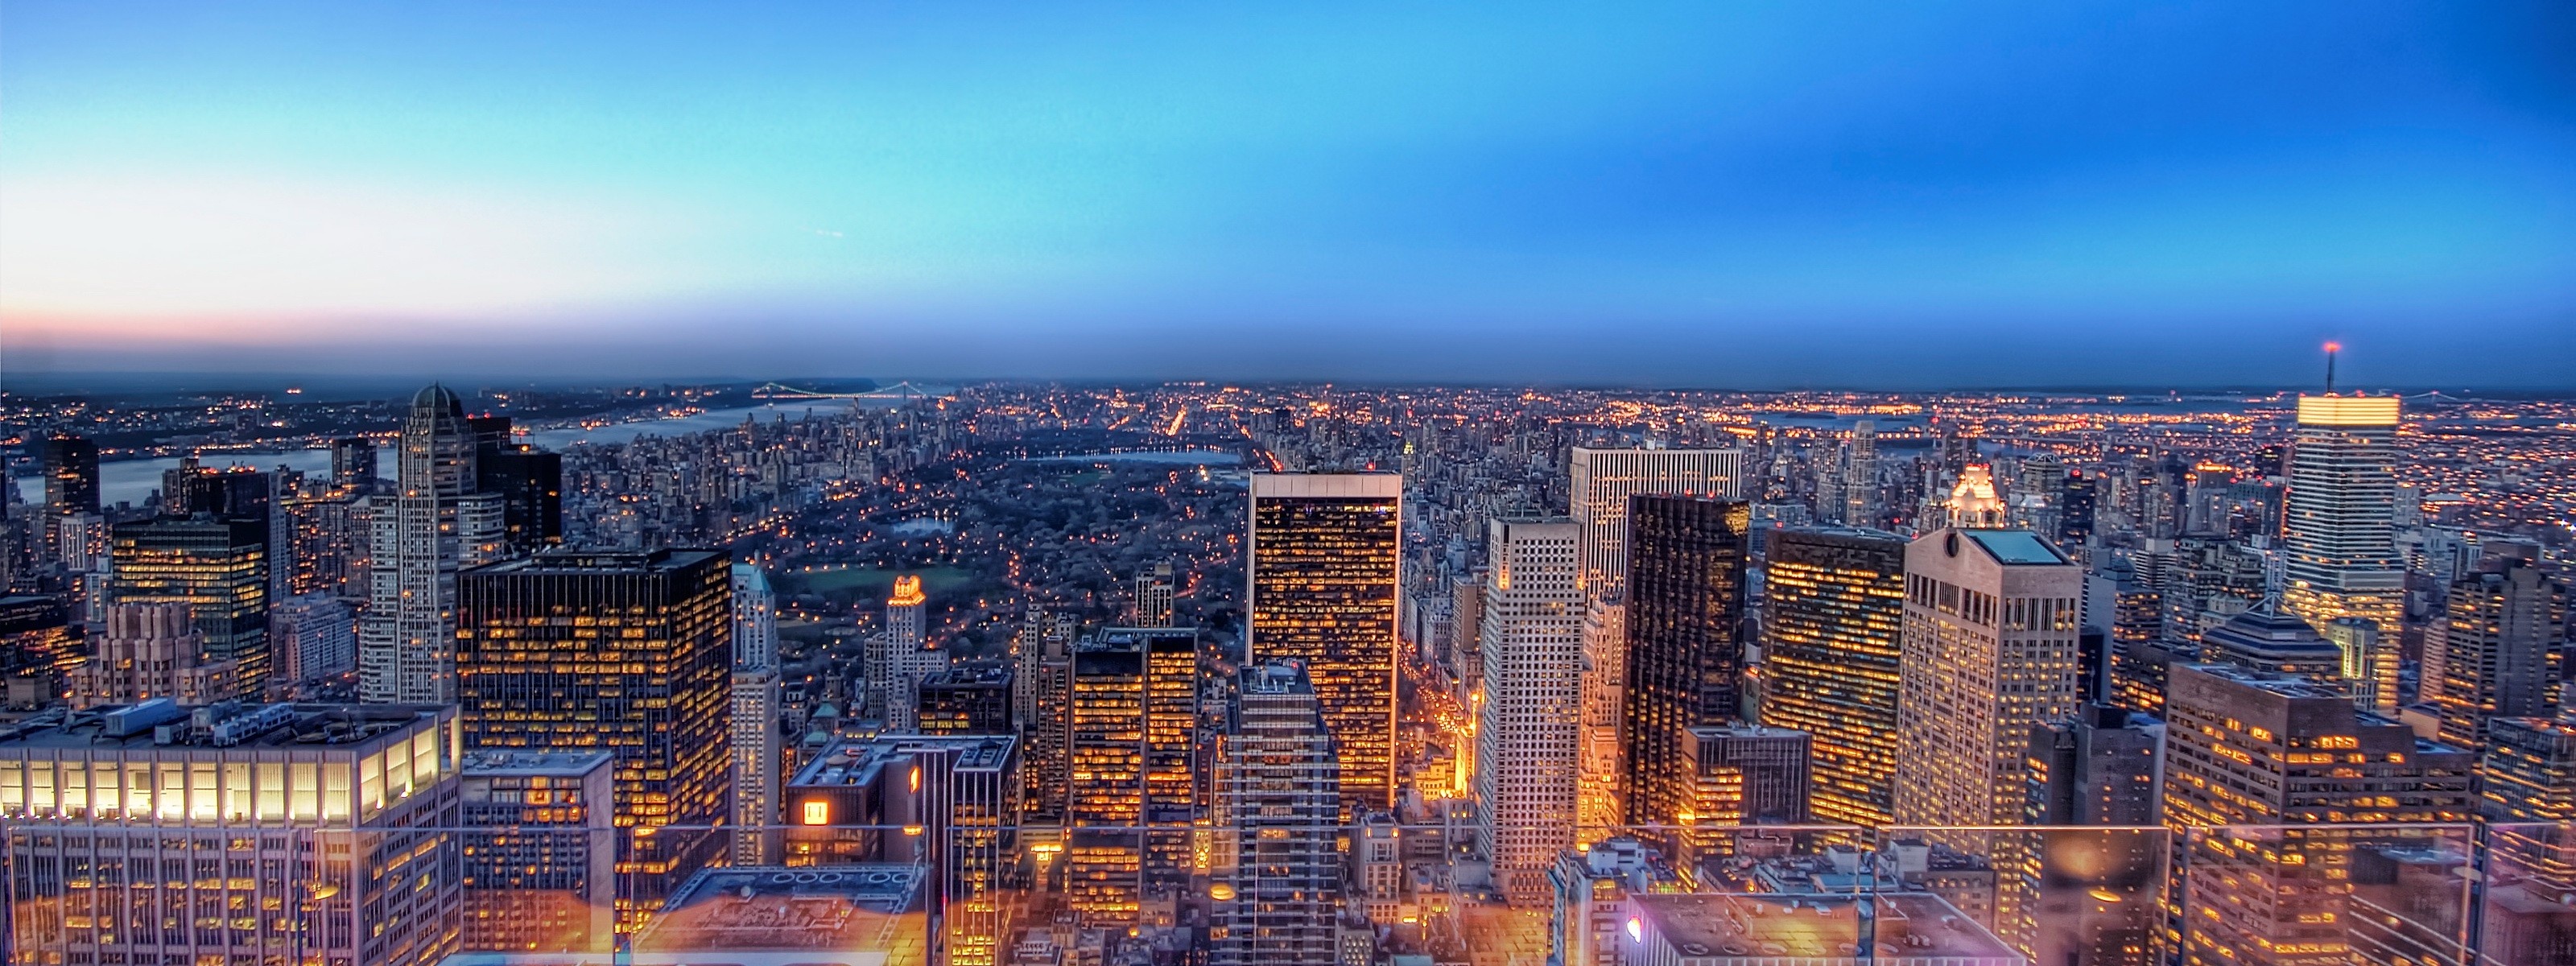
x: 2331, y: 349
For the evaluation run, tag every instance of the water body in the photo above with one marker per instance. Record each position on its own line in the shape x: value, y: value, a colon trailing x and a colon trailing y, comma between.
x: 132, y: 481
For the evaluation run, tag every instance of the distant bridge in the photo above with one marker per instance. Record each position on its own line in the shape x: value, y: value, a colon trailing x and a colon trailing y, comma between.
x: 902, y: 390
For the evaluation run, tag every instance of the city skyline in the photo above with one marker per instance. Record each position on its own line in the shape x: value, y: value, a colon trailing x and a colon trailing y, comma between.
x: 2182, y: 195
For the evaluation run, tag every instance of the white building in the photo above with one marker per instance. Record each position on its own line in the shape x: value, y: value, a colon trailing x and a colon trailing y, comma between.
x: 1987, y: 651
x: 755, y: 717
x: 1604, y: 479
x: 310, y: 637
x: 434, y: 525
x: 1528, y: 725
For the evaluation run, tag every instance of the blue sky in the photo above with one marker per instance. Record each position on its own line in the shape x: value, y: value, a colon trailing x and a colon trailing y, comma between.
x: 1728, y: 194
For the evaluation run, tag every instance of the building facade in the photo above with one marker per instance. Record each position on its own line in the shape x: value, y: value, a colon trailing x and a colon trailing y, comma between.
x: 1604, y: 479
x: 1277, y: 824
x: 758, y: 759
x: 1834, y: 607
x: 1686, y: 561
x: 1526, y: 768
x: 2338, y: 520
x: 1323, y: 587
x: 1988, y: 652
x: 435, y: 524
x: 540, y: 851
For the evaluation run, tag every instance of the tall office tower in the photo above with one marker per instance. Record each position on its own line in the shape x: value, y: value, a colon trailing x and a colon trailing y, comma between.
x: 967, y: 699
x: 2502, y: 635
x: 1154, y: 589
x: 1835, y: 605
x: 1597, y: 810
x: 2249, y: 758
x: 2369, y: 663
x: 1973, y: 502
x: 70, y: 466
x: 1323, y: 588
x: 219, y: 568
x: 1860, y: 476
x: 620, y: 652
x: 2096, y: 890
x: 952, y: 793
x: 353, y: 465
x: 1988, y: 652
x: 1047, y: 726
x: 2265, y: 639
x: 754, y: 719
x: 2529, y: 771
x: 1134, y: 796
x: 2338, y: 526
x: 540, y: 851
x: 1276, y: 863
x: 152, y: 651
x: 528, y: 480
x: 436, y: 524
x: 267, y: 789
x: 1686, y: 559
x: 1527, y: 725
x: 892, y: 650
x: 1604, y: 479
x: 2075, y: 516
x: 311, y: 637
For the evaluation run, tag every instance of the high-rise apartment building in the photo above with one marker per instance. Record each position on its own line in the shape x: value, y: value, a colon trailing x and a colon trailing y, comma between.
x: 1276, y: 863
x: 436, y: 523
x: 151, y: 651
x: 896, y: 657
x: 2502, y: 633
x: 757, y: 757
x: 1528, y: 723
x: 1155, y: 588
x: 2253, y: 758
x: 1604, y: 479
x: 1835, y: 604
x: 216, y: 566
x: 540, y: 851
x: 2338, y: 520
x: 1043, y: 692
x: 1988, y: 651
x: 287, y: 833
x: 1597, y: 808
x: 621, y: 652
x: 312, y: 637
x: 1323, y: 588
x: 1686, y: 560
x: 1132, y: 744
x: 1860, y: 476
x: 353, y: 464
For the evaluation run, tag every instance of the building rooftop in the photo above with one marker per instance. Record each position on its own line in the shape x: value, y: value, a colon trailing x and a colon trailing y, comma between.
x: 163, y: 723
x: 832, y: 911
x: 858, y: 763
x: 1818, y: 930
x: 2016, y: 546
x: 595, y: 561
x: 518, y: 762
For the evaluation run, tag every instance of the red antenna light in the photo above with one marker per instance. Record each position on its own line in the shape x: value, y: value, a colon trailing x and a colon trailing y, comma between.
x: 2331, y: 349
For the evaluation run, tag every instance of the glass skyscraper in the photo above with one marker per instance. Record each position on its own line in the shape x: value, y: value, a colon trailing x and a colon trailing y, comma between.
x: 1686, y: 559
x: 1835, y: 605
x: 1325, y: 549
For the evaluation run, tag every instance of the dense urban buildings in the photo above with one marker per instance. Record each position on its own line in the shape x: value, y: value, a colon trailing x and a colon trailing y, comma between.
x: 918, y: 667
x: 435, y: 524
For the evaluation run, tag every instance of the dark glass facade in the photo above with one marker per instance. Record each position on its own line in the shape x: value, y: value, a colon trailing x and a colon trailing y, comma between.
x: 218, y: 567
x: 1835, y: 604
x: 1323, y: 591
x: 627, y: 653
x: 967, y: 701
x: 71, y: 474
x: 1686, y: 558
x: 530, y: 482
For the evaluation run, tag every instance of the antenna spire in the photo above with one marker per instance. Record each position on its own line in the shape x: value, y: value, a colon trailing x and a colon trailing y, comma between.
x: 2331, y: 349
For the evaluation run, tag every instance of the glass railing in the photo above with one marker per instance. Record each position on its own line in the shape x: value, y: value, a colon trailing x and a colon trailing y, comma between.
x: 136, y: 893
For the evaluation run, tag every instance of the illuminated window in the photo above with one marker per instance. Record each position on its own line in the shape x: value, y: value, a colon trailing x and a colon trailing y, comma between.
x: 818, y: 812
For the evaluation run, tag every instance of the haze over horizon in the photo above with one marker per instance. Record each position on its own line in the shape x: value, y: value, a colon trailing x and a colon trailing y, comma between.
x: 1853, y: 196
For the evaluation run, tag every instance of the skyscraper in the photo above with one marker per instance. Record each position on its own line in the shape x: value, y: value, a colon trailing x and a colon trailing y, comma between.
x: 1686, y: 559
x: 1597, y: 809
x: 435, y: 524
x: 967, y: 699
x: 1525, y: 735
x: 1133, y: 748
x: 1988, y: 652
x: 1154, y: 590
x: 219, y: 568
x: 2502, y: 634
x: 151, y: 651
x: 2338, y: 522
x: 540, y: 855
x: 1860, y: 476
x: 529, y: 482
x: 621, y: 652
x: 70, y: 466
x: 755, y: 708
x: 900, y: 655
x: 353, y: 464
x: 1604, y: 479
x: 1835, y: 605
x: 1277, y: 866
x: 1323, y: 588
x: 2253, y: 756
